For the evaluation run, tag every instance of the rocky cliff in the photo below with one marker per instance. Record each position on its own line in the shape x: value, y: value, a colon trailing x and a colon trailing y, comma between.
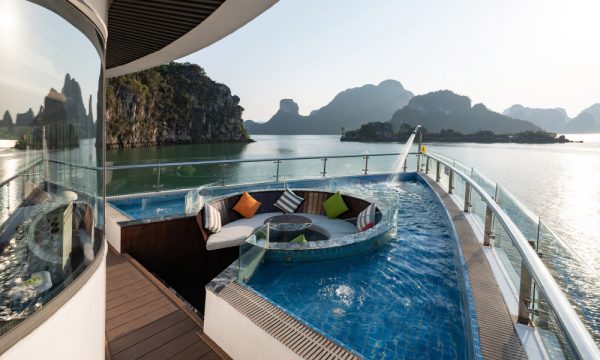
x: 171, y: 104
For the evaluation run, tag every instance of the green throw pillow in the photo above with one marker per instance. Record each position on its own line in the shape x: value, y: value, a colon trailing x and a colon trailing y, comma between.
x: 335, y: 206
x: 299, y: 239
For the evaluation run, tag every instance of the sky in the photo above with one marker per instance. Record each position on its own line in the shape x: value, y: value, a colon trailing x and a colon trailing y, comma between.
x: 34, y: 59
x: 538, y: 53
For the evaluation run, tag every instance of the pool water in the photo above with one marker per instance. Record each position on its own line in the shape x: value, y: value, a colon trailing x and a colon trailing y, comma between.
x: 401, y: 301
x: 151, y: 207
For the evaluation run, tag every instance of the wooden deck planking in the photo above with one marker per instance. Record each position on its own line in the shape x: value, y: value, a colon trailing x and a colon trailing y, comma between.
x: 143, y: 321
x: 497, y: 334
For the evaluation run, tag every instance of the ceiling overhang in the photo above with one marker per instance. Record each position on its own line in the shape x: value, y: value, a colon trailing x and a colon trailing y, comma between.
x: 147, y: 33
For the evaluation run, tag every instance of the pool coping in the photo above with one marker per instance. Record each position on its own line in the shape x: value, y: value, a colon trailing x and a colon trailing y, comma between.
x: 463, y: 271
x: 498, y: 338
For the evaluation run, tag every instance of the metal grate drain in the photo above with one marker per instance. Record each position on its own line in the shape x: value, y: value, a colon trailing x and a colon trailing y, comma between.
x: 299, y: 338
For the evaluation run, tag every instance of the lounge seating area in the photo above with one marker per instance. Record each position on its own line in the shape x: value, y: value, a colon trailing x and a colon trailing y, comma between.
x: 235, y: 228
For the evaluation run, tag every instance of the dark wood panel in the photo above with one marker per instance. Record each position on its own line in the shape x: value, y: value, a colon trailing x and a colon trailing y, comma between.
x: 175, y: 250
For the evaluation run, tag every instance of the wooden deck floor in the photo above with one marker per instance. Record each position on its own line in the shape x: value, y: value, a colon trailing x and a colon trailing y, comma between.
x: 144, y: 320
x: 497, y: 334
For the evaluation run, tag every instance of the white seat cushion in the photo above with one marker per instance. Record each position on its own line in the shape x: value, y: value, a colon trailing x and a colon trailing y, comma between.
x: 332, y: 226
x: 234, y: 233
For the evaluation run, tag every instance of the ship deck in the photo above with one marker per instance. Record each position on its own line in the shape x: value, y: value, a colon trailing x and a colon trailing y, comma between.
x: 497, y: 335
x: 145, y: 320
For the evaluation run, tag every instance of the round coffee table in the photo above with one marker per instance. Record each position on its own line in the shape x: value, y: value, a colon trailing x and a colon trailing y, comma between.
x: 289, y: 222
x: 287, y: 227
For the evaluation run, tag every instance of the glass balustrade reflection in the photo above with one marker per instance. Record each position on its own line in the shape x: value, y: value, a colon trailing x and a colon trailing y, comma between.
x: 51, y: 189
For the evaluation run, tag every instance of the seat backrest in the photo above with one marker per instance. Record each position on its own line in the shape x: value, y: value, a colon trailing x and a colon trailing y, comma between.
x: 312, y: 204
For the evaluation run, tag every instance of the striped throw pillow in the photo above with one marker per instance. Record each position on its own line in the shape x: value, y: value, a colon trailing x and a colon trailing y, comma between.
x: 212, y: 219
x: 366, y: 218
x: 288, y: 202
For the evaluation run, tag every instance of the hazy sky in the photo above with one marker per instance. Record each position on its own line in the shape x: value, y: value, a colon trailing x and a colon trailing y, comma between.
x: 34, y: 59
x: 539, y: 53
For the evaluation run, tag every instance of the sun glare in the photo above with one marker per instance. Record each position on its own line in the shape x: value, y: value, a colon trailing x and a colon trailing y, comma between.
x: 8, y: 18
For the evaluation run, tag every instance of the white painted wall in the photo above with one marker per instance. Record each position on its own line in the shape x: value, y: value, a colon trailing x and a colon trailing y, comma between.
x: 239, y: 337
x: 113, y: 230
x: 75, y: 331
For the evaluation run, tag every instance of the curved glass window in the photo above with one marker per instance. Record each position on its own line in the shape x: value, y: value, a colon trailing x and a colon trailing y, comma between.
x: 51, y: 153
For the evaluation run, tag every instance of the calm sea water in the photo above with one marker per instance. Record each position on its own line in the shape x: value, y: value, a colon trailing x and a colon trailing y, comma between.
x: 558, y: 182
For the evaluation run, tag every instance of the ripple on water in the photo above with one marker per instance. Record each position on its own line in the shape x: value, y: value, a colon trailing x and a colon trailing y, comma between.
x: 397, y: 302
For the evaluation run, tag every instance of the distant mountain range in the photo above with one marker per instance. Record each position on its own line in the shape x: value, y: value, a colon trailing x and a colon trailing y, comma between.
x: 444, y: 109
x: 556, y: 120
x: 349, y: 109
x: 391, y: 102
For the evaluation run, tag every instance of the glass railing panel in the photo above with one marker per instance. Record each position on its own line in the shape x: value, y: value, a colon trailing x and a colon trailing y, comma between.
x: 507, y: 254
x: 487, y: 185
x: 577, y: 279
x: 526, y: 221
x: 444, y: 177
x: 345, y: 166
x: 380, y: 164
x: 302, y: 169
x: 478, y: 207
x: 252, y: 253
x: 459, y: 189
x: 550, y: 334
x: 51, y: 221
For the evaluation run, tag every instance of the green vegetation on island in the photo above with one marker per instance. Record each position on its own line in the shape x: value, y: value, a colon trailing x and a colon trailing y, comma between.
x: 171, y: 104
x: 384, y: 132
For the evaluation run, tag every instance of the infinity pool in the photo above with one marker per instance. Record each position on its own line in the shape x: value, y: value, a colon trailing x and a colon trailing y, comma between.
x: 151, y: 207
x: 403, y: 300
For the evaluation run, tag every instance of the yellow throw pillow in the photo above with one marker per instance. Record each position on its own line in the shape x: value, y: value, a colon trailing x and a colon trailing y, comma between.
x: 247, y: 205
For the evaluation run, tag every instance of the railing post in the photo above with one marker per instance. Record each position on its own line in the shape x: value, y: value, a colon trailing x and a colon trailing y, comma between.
x: 277, y: 162
x: 427, y: 164
x: 324, y: 160
x: 366, y: 169
x: 158, y: 186
x: 525, y: 286
x: 437, y: 171
x: 487, y: 231
x: 451, y: 182
x: 419, y: 151
x: 222, y: 174
x: 8, y: 197
x: 467, y: 206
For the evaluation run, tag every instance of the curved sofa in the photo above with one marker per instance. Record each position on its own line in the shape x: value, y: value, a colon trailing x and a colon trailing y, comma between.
x: 236, y: 229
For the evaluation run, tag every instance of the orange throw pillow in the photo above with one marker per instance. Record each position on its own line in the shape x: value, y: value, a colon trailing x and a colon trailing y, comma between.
x: 247, y: 205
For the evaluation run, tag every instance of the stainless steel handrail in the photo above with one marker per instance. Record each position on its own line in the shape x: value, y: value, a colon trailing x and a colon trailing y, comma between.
x: 220, y: 162
x: 238, y: 161
x: 19, y: 174
x: 579, y: 338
